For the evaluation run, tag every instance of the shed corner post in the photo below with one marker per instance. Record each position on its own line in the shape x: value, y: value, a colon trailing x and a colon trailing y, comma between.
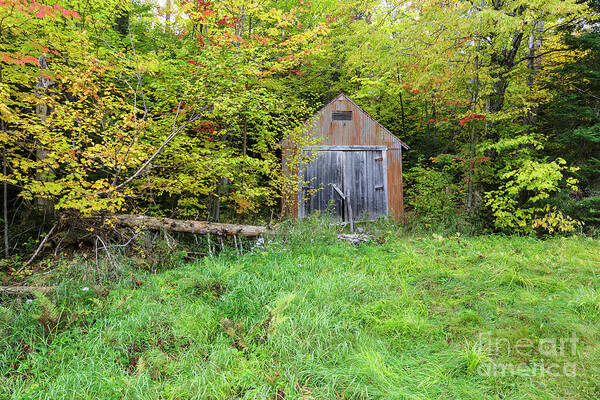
x: 402, y: 214
x: 385, y: 181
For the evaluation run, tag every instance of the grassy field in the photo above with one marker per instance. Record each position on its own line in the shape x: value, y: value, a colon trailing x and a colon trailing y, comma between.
x: 312, y: 318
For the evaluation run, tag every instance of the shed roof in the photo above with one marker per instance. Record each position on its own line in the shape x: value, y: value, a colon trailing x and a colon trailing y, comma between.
x: 383, y: 128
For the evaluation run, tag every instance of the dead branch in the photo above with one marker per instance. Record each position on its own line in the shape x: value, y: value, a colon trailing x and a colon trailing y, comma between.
x: 39, y: 248
x: 171, y: 136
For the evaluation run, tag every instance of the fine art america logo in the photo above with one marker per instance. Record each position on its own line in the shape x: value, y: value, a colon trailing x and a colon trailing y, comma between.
x: 545, y: 357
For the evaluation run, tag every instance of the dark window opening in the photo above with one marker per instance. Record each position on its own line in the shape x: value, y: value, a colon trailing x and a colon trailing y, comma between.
x: 341, y: 115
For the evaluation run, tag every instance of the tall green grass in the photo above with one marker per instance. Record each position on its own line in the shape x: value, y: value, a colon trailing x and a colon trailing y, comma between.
x: 309, y: 317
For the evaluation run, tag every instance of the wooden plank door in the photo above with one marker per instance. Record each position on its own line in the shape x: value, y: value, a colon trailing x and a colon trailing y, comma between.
x: 321, y: 179
x: 365, y: 182
x: 358, y: 173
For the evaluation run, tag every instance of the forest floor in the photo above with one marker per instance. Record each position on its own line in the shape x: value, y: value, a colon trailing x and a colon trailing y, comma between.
x: 426, y: 317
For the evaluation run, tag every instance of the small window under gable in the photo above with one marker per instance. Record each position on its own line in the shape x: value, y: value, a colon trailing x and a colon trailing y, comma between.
x: 341, y: 115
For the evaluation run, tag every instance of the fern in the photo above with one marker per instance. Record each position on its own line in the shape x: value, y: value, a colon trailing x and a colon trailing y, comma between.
x: 50, y: 317
x: 276, y: 316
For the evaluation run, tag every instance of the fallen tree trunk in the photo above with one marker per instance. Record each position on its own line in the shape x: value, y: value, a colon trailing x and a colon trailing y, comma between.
x: 25, y: 290
x: 188, y: 226
x: 21, y: 290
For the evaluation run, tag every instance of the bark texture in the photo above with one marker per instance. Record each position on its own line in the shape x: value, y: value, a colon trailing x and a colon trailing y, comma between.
x: 23, y: 290
x: 189, y: 226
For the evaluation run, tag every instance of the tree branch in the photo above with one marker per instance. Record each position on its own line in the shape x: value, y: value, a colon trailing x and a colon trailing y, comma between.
x: 39, y: 248
x: 174, y: 133
x: 540, y: 55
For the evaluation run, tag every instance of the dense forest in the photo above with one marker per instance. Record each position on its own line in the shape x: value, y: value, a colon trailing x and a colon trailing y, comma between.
x: 177, y: 108
x: 148, y: 150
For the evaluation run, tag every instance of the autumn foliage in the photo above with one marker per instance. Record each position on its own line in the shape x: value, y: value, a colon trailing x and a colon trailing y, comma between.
x: 179, y: 109
x: 82, y: 140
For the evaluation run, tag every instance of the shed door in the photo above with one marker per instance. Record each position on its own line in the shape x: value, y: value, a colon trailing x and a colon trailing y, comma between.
x: 322, y: 177
x: 357, y: 172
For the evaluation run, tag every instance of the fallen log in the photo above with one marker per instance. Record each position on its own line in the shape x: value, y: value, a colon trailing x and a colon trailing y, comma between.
x: 21, y: 290
x: 188, y: 226
x: 16, y: 290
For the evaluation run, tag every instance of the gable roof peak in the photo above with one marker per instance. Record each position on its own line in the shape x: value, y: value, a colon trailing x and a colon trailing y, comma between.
x: 342, y: 94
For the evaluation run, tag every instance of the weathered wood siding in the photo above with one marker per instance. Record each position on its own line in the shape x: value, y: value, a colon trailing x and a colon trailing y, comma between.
x: 319, y: 192
x: 361, y: 130
x: 341, y: 175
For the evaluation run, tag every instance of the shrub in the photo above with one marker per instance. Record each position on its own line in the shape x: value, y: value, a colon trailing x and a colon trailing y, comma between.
x: 521, y: 203
x: 433, y: 194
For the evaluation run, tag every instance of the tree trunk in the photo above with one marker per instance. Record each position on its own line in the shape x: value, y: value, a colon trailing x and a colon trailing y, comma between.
x: 434, y: 124
x: 168, y: 15
x: 42, y: 111
x: 215, y: 207
x: 473, y: 141
x: 4, y: 187
x: 188, y: 226
x: 5, y: 203
x: 504, y: 61
x: 245, y: 137
x: 533, y: 64
x: 401, y: 104
x: 403, y: 118
x: 426, y: 117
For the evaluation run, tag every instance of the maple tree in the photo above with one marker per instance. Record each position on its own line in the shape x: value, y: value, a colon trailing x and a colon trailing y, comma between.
x: 218, y: 74
x: 100, y: 119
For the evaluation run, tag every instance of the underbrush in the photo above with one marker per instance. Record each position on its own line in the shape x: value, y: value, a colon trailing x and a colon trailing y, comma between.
x: 310, y: 317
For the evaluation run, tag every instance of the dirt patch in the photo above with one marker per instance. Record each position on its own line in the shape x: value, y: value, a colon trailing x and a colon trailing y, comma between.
x: 280, y: 394
x: 133, y: 351
x: 170, y: 343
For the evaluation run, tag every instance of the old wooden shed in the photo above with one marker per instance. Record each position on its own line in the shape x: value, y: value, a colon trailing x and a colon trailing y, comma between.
x: 355, y: 165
